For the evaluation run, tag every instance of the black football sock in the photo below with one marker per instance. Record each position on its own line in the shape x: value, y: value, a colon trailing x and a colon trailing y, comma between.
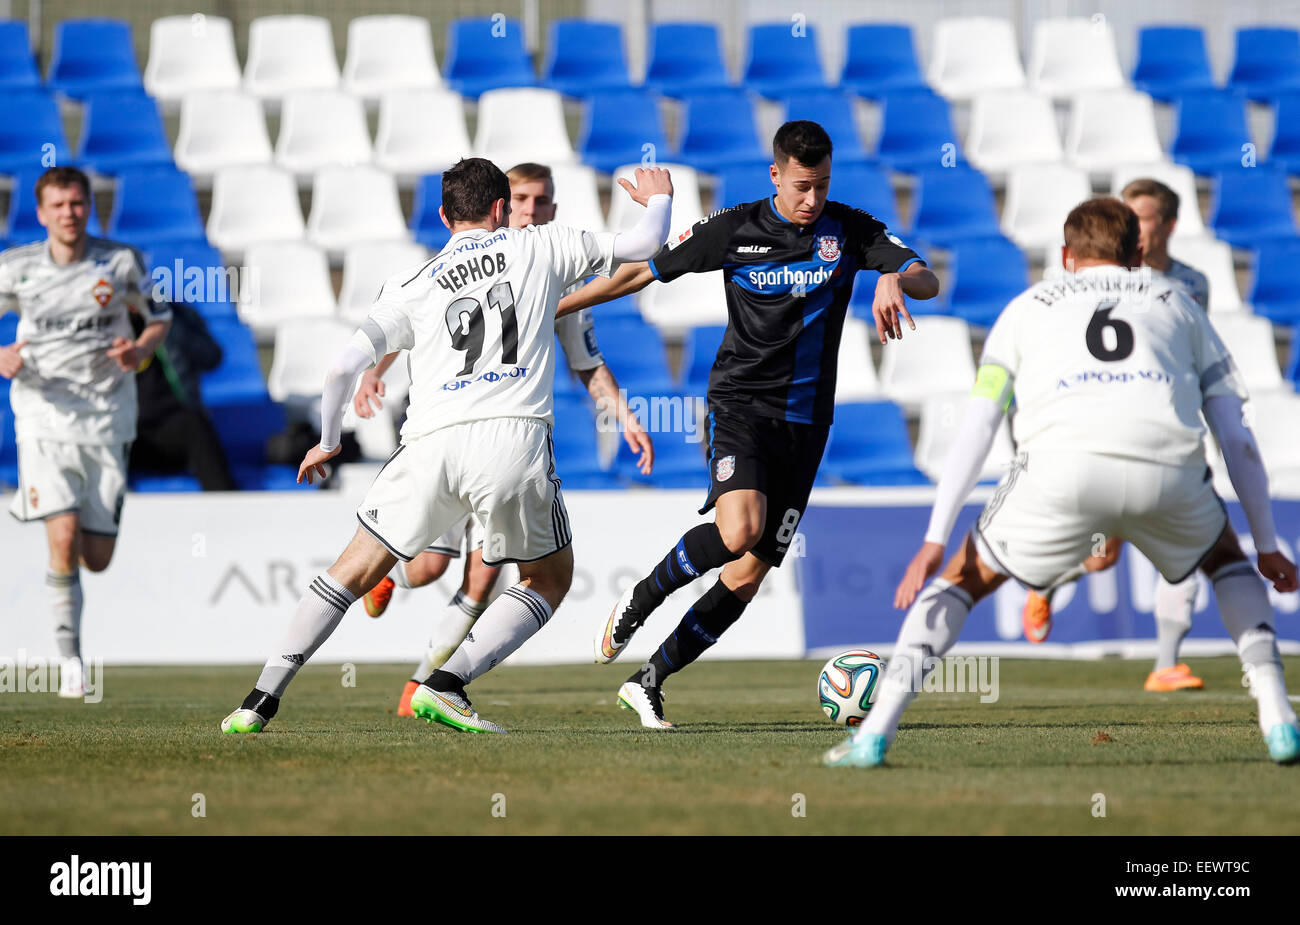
x: 698, y: 551
x: 263, y: 704
x: 699, y: 629
x: 445, y: 681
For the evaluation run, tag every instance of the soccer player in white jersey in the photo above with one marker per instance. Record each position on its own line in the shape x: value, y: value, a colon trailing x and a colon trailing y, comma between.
x: 1110, y: 371
x: 532, y: 202
x: 479, y: 320
x: 73, y: 394
x: 1156, y: 206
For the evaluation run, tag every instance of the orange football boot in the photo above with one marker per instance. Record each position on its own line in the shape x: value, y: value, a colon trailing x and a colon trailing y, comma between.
x: 1036, y: 618
x: 1178, y: 678
x: 404, y: 705
x: 377, y: 598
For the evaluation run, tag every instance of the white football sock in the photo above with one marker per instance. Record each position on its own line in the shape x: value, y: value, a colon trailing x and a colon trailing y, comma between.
x: 1243, y: 604
x: 454, y: 624
x: 929, y: 630
x: 1173, y: 613
x: 64, y: 593
x: 505, y: 626
x: 398, y: 574
x: 319, y: 611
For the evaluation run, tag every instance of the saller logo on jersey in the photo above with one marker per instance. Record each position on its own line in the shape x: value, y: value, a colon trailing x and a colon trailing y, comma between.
x: 726, y: 468
x: 102, y: 292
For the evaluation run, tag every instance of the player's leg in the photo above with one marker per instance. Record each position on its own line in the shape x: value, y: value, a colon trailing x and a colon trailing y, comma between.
x: 1173, y: 616
x: 1036, y: 618
x: 63, y: 590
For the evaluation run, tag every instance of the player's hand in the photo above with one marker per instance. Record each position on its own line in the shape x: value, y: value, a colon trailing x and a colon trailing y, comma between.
x: 315, y: 460
x: 640, y: 442
x: 1278, y: 569
x: 888, y: 306
x: 370, y: 389
x: 925, y: 564
x: 650, y: 181
x: 125, y: 353
x: 11, y: 361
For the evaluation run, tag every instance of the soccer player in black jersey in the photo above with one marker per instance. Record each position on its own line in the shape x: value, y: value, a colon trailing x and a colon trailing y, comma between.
x: 788, y: 262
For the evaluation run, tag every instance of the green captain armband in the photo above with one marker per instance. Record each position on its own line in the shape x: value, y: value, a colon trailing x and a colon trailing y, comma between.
x: 993, y: 382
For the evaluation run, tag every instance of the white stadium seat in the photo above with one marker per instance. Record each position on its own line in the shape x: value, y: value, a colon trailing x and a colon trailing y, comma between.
x: 220, y: 128
x: 975, y: 54
x: 291, y: 279
x: 420, y: 132
x: 321, y: 128
x: 188, y: 53
x: 1110, y: 128
x: 290, y: 53
x: 388, y: 53
x: 941, y: 417
x: 1214, y: 259
x: 1010, y: 127
x: 1039, y: 197
x: 577, y: 197
x: 1249, y: 339
x: 1272, y: 417
x: 690, y: 301
x: 934, y: 359
x: 354, y: 204
x: 855, y: 376
x: 522, y: 124
x: 304, y: 350
x: 1178, y: 178
x: 688, y: 207
x: 365, y: 268
x: 1069, y: 56
x: 253, y: 204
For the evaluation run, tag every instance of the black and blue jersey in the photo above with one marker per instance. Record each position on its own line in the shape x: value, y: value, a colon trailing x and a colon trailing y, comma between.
x: 787, y: 288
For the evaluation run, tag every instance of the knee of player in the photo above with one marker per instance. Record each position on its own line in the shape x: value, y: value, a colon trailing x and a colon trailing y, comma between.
x: 479, y: 581
x: 740, y: 536
x: 425, y: 569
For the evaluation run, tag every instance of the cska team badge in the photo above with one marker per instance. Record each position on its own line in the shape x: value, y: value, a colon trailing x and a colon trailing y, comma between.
x: 102, y: 292
x: 726, y: 468
x: 33, y: 497
x: 828, y: 248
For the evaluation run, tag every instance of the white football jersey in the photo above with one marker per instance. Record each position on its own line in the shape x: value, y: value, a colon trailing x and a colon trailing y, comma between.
x: 577, y: 333
x: 479, y: 320
x: 69, y: 389
x: 1113, y: 362
x: 1193, y: 280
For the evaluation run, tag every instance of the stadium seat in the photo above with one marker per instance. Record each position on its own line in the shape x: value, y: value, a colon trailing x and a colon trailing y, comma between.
x: 679, y: 425
x: 1252, y: 204
x: 29, y: 121
x: 388, y: 53
x: 220, y: 128
x: 236, y: 397
x: 1275, y: 286
x: 687, y: 302
x: 985, y: 275
x: 855, y: 376
x: 426, y: 225
x: 154, y: 206
x: 1267, y: 62
x: 932, y: 360
x: 688, y: 208
x: 93, y: 55
x: 616, y: 127
x: 941, y: 419
x: 522, y: 124
x: 253, y: 203
x: 1178, y: 178
x: 122, y: 131
x: 868, y: 445
x: 304, y: 350
x: 635, y: 352
x: 196, y: 275
x: 576, y: 445
x: 916, y: 132
x: 350, y: 205
x: 864, y: 187
x: 1039, y: 197
x: 971, y: 55
x: 685, y: 57
x: 366, y: 266
x: 1272, y: 417
x: 783, y: 60
x: 1171, y: 61
x: 699, y: 352
x: 420, y: 132
x: 292, y: 281
x: 584, y: 57
x: 1214, y: 259
x: 1284, y: 152
x: 190, y: 55
x: 833, y: 110
x: 880, y: 59
x: 720, y: 131
x: 487, y: 54
x: 577, y: 197
x: 1012, y: 127
x: 23, y: 227
x: 1250, y: 341
x: 287, y: 54
x: 1109, y: 128
x: 322, y: 128
x: 954, y: 203
x: 1211, y: 131
x: 745, y: 184
x: 17, y: 63
x: 1070, y: 56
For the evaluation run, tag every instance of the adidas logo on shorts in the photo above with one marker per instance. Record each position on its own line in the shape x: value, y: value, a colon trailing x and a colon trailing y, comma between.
x: 373, y: 515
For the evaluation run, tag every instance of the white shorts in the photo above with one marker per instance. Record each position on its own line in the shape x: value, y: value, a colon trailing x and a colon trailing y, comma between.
x: 500, y: 470
x: 466, y: 533
x: 61, y: 478
x: 1051, y: 512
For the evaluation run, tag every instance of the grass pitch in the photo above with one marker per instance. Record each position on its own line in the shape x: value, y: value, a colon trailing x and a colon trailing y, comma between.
x: 746, y: 758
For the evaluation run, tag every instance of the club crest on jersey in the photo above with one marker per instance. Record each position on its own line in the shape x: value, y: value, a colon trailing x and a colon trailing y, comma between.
x: 828, y: 247
x: 726, y: 468
x: 102, y: 292
x: 680, y: 239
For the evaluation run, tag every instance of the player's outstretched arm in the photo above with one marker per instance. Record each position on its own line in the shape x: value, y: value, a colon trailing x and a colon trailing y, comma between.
x: 604, y: 391
x: 372, y: 387
x: 627, y: 279
x: 889, y: 308
x: 334, y: 397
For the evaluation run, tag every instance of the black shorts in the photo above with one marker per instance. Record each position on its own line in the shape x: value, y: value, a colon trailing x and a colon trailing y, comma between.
x: 765, y: 454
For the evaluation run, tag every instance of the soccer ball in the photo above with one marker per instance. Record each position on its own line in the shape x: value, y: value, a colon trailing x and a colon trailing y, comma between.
x: 847, y: 685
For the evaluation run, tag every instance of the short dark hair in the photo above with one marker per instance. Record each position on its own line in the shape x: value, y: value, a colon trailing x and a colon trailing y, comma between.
x: 470, y: 187
x: 1145, y: 186
x: 1102, y: 229
x: 62, y: 176
x: 807, y: 142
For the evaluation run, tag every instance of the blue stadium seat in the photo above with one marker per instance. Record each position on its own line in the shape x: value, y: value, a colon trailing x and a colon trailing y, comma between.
x: 91, y: 55
x: 833, y: 110
x: 426, y: 225
x: 679, y: 425
x: 782, y: 61
x: 23, y: 226
x: 485, y: 54
x: 916, y: 127
x: 616, y: 126
x: 1275, y: 291
x: 155, y: 206
x: 1267, y: 62
x: 29, y: 121
x: 1285, y: 150
x: 271, y: 477
x: 1252, y: 204
x: 720, y: 131
x: 1211, y: 130
x: 868, y: 445
x: 17, y: 63
x: 685, y: 57
x: 742, y: 184
x: 623, y: 307
x: 585, y: 57
x: 954, y: 203
x: 700, y: 350
x: 196, y: 275
x: 865, y: 187
x: 881, y: 59
x: 8, y: 445
x: 577, y: 453
x: 634, y: 351
x: 1171, y: 61
x: 122, y: 131
x: 236, y: 397
x: 986, y: 275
